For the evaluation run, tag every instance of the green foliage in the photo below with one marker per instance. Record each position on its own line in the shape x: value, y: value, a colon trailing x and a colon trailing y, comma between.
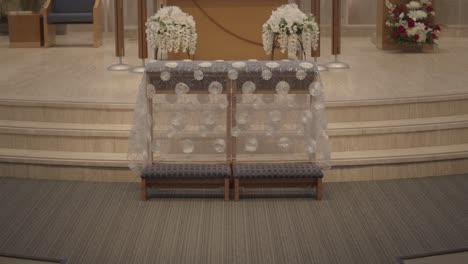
x: 31, y: 5
x: 4, y: 4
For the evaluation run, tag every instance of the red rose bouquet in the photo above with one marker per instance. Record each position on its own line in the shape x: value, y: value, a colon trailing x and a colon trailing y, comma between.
x: 413, y: 22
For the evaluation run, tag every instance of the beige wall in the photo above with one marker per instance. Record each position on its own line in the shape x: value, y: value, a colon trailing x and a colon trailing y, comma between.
x: 355, y: 13
x: 363, y: 12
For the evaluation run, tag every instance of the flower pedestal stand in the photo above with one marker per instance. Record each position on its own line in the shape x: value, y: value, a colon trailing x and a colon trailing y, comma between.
x: 411, y: 48
x: 416, y: 48
x: 24, y: 29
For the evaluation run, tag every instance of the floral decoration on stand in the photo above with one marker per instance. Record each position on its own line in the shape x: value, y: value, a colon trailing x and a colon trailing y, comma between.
x: 413, y: 22
x: 172, y: 30
x: 292, y: 29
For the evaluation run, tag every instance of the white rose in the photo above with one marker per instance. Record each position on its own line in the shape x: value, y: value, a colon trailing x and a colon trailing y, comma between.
x: 417, y: 15
x: 413, y: 5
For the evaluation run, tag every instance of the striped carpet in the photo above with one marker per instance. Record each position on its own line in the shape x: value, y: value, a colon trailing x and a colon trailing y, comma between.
x: 361, y: 222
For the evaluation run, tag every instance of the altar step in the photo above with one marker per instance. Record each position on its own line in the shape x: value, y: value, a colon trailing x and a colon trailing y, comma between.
x: 347, y: 166
x: 400, y: 134
x: 383, y: 139
x: 66, y: 112
x: 343, y: 111
x: 394, y: 109
x: 345, y: 136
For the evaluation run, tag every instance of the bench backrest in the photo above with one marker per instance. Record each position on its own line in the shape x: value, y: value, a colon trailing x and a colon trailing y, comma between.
x: 72, y: 6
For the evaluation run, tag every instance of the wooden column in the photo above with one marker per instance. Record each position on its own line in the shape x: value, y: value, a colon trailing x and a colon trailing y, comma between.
x: 336, y: 27
x: 336, y: 37
x: 315, y: 10
x: 119, y: 29
x: 142, y: 17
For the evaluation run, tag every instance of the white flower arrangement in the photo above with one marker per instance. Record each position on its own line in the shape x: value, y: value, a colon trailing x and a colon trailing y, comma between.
x: 172, y: 30
x: 291, y: 28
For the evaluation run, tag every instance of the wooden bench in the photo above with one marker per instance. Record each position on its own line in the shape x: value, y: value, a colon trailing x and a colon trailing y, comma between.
x: 277, y: 175
x: 164, y: 77
x: 185, y: 175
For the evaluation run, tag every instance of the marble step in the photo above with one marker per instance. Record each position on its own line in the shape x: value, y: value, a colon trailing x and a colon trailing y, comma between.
x: 345, y: 136
x: 66, y: 112
x: 340, y: 111
x: 347, y: 166
x: 395, y: 109
x: 399, y: 134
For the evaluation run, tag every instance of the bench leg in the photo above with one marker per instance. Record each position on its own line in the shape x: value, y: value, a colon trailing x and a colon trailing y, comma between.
x: 236, y: 189
x: 144, y: 195
x: 97, y: 34
x: 226, y: 189
x: 319, y: 189
x: 49, y: 34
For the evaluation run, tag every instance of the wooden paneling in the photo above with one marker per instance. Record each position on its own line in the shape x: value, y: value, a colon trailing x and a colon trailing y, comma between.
x: 244, y: 18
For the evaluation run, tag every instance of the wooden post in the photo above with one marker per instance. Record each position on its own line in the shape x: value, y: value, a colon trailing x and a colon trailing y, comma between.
x: 319, y: 189
x: 49, y: 30
x: 226, y: 189
x: 119, y: 38
x: 336, y: 27
x: 97, y: 24
x: 119, y: 29
x: 315, y: 10
x: 336, y: 37
x: 144, y: 194
x: 236, y: 189
x: 142, y: 17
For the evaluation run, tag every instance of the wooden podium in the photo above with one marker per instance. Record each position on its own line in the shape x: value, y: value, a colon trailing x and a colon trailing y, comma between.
x: 229, y: 30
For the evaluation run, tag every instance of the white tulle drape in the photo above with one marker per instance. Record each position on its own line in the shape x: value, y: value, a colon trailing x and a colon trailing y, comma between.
x: 217, y: 111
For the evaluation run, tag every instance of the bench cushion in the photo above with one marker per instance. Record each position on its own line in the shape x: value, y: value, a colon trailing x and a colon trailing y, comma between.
x: 161, y: 170
x: 70, y: 18
x: 277, y: 170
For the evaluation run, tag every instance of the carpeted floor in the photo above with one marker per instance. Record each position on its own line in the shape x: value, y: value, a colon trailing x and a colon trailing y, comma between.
x: 362, y: 222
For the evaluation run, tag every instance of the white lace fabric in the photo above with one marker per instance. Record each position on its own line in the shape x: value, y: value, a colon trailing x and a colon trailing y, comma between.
x: 219, y: 111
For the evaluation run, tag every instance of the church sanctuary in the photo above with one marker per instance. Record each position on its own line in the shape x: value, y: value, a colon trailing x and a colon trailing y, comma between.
x: 234, y: 132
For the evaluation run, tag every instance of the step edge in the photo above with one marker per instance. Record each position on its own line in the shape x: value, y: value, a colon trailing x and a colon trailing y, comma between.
x: 121, y: 130
x: 396, y: 101
x: 333, y: 104
x: 396, y: 129
x: 117, y: 160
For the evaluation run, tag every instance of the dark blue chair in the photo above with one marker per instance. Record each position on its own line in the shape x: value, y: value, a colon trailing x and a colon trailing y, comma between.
x: 72, y: 12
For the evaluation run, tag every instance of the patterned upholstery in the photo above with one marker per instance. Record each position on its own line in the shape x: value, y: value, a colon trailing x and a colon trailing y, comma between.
x: 162, y: 170
x: 277, y: 170
x: 70, y: 18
